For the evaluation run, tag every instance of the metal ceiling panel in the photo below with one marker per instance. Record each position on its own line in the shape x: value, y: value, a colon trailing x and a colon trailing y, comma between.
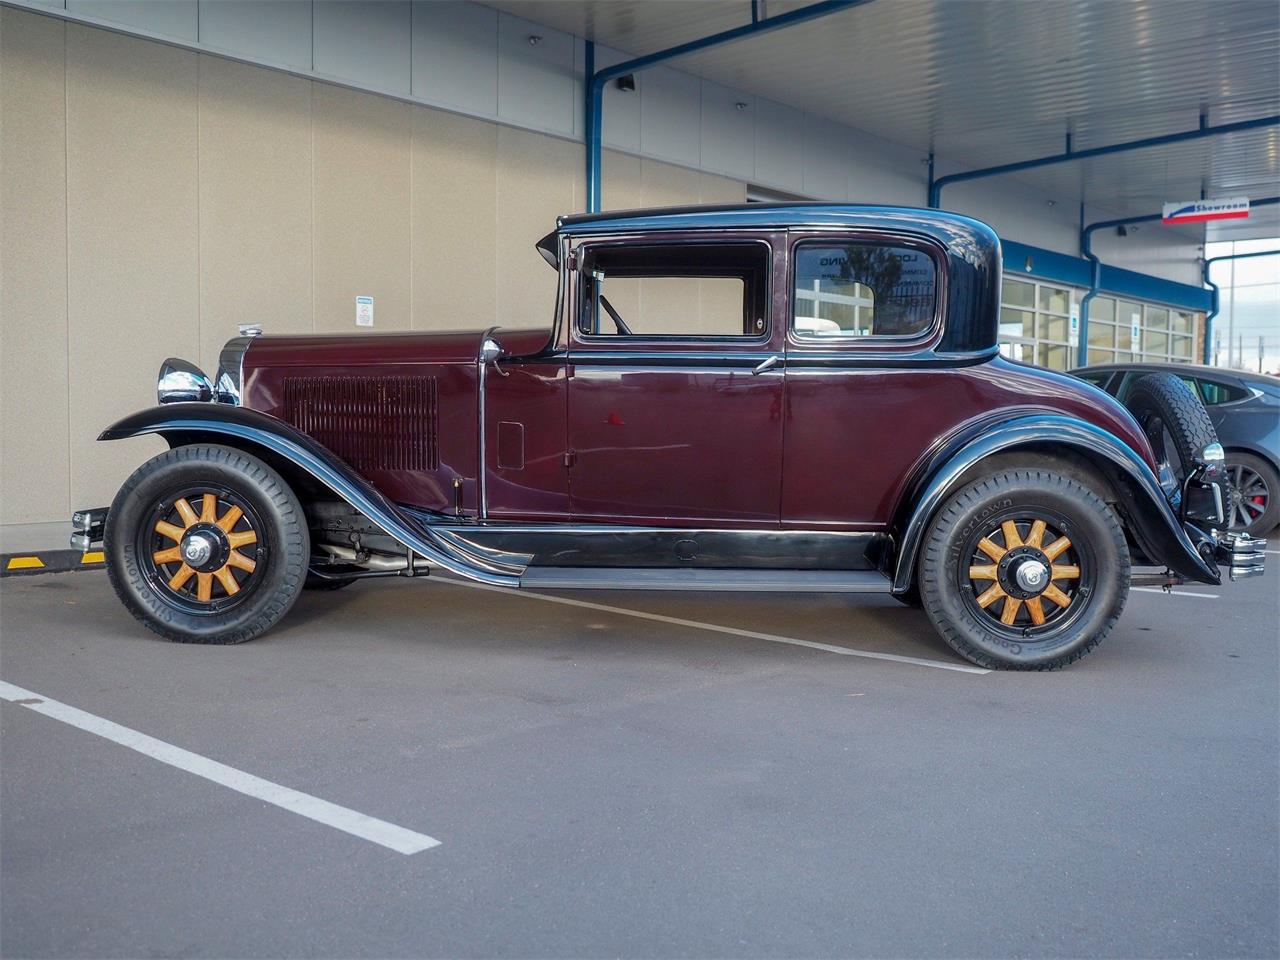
x: 985, y: 82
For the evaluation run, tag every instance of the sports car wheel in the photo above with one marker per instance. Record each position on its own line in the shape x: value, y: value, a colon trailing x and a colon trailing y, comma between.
x: 1025, y: 570
x: 206, y: 544
x: 1254, y: 505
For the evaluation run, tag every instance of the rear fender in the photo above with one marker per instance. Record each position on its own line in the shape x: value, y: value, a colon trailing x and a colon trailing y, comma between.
x: 1146, y: 512
x: 183, y: 423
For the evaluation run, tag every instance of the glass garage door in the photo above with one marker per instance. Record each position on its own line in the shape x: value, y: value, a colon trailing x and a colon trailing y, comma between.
x: 1035, y: 327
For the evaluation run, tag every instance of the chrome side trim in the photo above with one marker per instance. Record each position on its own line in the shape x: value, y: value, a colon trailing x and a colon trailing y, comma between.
x: 230, y: 377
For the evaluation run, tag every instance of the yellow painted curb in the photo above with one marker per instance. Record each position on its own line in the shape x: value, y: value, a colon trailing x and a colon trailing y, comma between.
x: 93, y: 556
x: 24, y: 563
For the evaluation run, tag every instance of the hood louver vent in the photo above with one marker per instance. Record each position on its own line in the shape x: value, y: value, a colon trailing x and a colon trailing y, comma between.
x: 373, y: 423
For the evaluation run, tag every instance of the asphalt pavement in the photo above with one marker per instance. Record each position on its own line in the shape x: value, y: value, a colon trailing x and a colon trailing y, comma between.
x: 681, y: 784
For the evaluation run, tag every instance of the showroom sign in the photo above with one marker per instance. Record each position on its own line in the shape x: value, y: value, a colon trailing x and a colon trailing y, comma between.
x: 1198, y: 211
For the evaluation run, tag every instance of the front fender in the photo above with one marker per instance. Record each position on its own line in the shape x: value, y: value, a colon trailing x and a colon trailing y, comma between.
x: 181, y: 423
x: 1151, y: 521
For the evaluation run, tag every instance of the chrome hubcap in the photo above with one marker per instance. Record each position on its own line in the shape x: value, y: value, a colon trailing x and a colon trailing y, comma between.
x: 1032, y: 576
x: 197, y: 549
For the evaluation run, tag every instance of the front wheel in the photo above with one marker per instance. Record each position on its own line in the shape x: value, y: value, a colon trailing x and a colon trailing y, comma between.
x: 1025, y: 570
x: 206, y: 544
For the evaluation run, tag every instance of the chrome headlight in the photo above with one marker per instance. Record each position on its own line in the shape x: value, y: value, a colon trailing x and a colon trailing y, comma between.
x: 183, y: 382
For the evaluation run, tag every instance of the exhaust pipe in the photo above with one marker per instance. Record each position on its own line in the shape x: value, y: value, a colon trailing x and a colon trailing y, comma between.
x: 406, y: 566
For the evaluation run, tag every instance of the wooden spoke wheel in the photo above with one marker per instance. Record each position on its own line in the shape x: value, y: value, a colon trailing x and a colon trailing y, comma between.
x: 207, y: 544
x: 1024, y: 573
x: 1025, y: 569
x: 202, y: 551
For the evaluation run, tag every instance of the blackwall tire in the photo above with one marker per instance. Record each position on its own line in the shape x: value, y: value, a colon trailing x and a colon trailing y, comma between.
x: 1253, y: 479
x: 970, y: 580
x: 244, y: 516
x: 1173, y: 418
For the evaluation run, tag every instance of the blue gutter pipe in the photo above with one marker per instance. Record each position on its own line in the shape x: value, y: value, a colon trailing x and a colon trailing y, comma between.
x: 1095, y: 284
x: 1204, y: 130
x: 1216, y: 307
x: 595, y: 81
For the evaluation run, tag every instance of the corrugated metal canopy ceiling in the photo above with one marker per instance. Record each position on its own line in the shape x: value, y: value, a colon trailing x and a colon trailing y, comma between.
x: 986, y: 82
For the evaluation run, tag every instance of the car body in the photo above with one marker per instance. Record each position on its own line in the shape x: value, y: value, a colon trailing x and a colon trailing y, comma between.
x: 1245, y: 411
x: 799, y: 397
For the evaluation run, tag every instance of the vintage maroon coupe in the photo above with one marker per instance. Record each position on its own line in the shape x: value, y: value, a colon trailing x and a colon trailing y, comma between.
x: 798, y: 397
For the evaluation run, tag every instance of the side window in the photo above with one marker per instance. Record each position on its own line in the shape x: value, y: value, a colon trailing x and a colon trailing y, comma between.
x: 674, y: 290
x: 862, y: 289
x: 1213, y: 393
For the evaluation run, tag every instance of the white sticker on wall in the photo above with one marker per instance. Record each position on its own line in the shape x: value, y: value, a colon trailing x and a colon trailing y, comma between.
x: 1075, y: 321
x: 364, y: 311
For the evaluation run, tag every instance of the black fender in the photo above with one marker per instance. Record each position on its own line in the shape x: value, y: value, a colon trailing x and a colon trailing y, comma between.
x: 182, y: 423
x: 1146, y: 512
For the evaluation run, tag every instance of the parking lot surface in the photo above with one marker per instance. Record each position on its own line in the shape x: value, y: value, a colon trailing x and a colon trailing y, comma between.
x: 606, y: 784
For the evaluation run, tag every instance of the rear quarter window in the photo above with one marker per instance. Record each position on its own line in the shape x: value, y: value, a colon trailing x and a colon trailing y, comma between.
x: 1213, y: 392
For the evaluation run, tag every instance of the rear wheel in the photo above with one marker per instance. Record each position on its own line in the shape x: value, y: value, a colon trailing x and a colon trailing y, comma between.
x: 1254, y: 505
x: 1025, y: 570
x: 206, y: 544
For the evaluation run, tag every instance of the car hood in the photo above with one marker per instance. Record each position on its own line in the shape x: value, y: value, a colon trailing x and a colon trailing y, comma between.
x: 352, y: 349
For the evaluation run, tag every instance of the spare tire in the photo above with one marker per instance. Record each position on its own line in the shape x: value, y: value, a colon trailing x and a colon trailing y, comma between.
x: 1175, y: 422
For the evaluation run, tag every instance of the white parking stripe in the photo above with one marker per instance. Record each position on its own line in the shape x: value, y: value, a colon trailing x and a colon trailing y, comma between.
x: 715, y: 627
x: 322, y: 811
x: 1177, y: 593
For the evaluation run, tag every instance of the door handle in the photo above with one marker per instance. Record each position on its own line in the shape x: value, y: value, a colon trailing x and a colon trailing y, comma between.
x: 764, y: 365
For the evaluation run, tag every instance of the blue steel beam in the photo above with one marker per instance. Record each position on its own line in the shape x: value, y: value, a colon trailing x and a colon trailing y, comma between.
x: 1204, y: 130
x: 1086, y: 250
x: 596, y: 80
x: 1216, y: 307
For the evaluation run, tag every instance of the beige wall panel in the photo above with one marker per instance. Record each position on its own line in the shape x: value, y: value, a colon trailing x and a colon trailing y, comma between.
x: 715, y: 189
x: 537, y: 181
x: 717, y: 299
x: 34, y: 460
x: 454, y: 221
x: 255, y: 203
x: 620, y: 187
x: 664, y: 185
x: 361, y: 195
x: 132, y: 239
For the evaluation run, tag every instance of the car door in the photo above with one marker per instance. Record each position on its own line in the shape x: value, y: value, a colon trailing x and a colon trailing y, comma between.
x: 675, y: 381
x: 860, y: 407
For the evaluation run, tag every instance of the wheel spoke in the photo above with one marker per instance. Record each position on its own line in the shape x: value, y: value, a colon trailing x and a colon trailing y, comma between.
x: 975, y: 573
x: 172, y: 531
x: 993, y: 593
x: 1053, y: 550
x: 1066, y: 571
x: 228, y: 580
x: 184, y: 510
x: 1036, y: 535
x: 184, y: 574
x: 992, y: 550
x: 172, y: 555
x: 1011, y: 538
x: 240, y: 562
x: 241, y: 539
x: 1010, y: 611
x: 1057, y: 596
x: 209, y: 509
x: 204, y: 587
x: 1036, y: 609
x: 230, y: 519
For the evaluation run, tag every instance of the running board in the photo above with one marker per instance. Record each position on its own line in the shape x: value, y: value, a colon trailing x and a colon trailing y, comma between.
x: 746, y: 581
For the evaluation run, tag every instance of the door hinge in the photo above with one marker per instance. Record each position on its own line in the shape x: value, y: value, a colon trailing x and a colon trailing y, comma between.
x: 570, y: 458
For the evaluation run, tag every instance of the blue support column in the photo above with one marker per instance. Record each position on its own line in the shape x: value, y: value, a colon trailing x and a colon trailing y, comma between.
x: 595, y: 81
x: 1086, y: 250
x: 1215, y: 309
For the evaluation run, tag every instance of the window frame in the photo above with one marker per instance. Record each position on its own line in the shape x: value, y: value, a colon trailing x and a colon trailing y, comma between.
x: 873, y: 343
x: 612, y: 341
